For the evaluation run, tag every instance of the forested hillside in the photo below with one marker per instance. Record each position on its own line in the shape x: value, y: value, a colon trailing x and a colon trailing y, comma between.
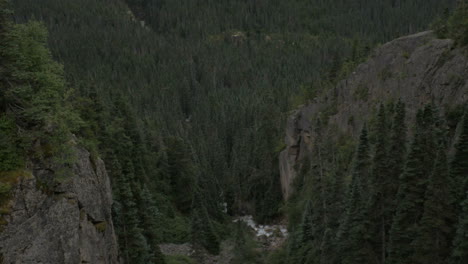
x: 383, y: 178
x: 186, y: 101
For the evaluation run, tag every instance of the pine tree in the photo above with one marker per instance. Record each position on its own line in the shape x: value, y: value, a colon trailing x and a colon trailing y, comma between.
x: 380, y: 205
x: 459, y: 164
x: 307, y: 224
x: 412, y: 188
x: 460, y: 243
x: 5, y: 18
x: 150, y: 223
x: 397, y: 151
x: 353, y: 236
x: 181, y: 171
x: 434, y: 236
x: 133, y: 244
x: 202, y: 228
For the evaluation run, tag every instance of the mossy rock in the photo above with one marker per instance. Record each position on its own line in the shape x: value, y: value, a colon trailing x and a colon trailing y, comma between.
x: 14, y: 176
x: 7, y: 180
x: 101, y: 226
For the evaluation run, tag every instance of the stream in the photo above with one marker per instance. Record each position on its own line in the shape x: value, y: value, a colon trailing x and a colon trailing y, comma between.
x: 270, y: 236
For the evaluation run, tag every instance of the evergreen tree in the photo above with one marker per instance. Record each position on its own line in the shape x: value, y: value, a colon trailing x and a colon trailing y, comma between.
x: 353, y: 236
x: 133, y: 244
x: 412, y: 188
x: 380, y: 205
x: 181, y: 172
x: 202, y: 229
x: 10, y: 156
x: 307, y: 225
x: 397, y: 151
x: 150, y: 223
x: 5, y: 18
x: 460, y: 243
x: 434, y: 236
x: 459, y: 164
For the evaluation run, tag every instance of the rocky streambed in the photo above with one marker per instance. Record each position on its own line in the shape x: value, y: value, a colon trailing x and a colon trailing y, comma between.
x: 271, y: 237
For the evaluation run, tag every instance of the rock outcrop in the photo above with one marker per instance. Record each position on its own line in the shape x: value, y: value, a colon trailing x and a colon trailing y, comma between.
x: 68, y: 223
x: 417, y: 69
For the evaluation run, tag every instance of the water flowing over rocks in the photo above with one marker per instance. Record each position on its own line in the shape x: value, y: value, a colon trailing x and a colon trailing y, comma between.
x: 270, y: 236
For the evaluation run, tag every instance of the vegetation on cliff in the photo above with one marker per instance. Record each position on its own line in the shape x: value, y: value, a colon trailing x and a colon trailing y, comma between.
x: 186, y: 100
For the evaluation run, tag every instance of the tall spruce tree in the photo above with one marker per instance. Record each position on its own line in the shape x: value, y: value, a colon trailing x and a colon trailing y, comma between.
x: 460, y: 243
x: 353, y: 237
x: 435, y: 232
x: 459, y: 164
x: 412, y: 189
x: 150, y: 222
x: 397, y: 151
x: 203, y: 232
x: 380, y: 204
x: 132, y: 242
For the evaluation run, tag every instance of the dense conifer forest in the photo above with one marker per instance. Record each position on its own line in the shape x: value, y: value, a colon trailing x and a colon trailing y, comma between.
x: 186, y: 101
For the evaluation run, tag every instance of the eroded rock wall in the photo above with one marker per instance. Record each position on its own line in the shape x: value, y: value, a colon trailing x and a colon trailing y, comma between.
x: 68, y: 223
x: 417, y: 69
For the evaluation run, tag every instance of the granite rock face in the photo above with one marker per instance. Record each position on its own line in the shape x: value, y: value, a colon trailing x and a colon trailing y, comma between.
x: 68, y: 223
x: 417, y: 69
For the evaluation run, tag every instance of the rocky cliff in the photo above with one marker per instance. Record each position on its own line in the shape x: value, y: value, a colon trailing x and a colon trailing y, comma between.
x: 417, y: 69
x: 68, y: 223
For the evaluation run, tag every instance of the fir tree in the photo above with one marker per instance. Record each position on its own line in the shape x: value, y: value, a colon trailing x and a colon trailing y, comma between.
x: 307, y: 224
x: 397, y: 151
x: 460, y: 243
x: 133, y: 244
x: 202, y: 229
x: 380, y: 206
x: 5, y: 18
x: 353, y: 236
x: 150, y: 223
x: 459, y: 164
x: 434, y: 236
x: 412, y: 188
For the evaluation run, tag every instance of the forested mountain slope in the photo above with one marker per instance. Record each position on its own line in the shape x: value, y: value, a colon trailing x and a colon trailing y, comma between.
x: 375, y: 169
x: 55, y: 198
x: 184, y: 101
x: 416, y: 69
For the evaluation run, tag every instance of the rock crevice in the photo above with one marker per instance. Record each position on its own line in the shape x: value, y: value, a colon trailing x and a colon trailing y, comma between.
x: 62, y: 225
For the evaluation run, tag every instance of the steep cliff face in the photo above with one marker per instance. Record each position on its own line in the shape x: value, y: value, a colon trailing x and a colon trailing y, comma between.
x: 417, y: 69
x: 68, y: 223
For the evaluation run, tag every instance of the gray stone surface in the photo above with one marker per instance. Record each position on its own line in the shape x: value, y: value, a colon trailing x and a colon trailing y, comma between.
x: 68, y: 223
x: 417, y: 69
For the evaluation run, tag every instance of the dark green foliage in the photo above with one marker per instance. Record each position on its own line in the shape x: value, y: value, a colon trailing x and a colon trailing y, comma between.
x: 397, y: 151
x: 459, y: 164
x: 307, y: 228
x: 245, y: 249
x: 187, y: 110
x: 454, y: 26
x: 180, y: 172
x: 202, y: 230
x: 460, y: 243
x: 151, y: 221
x: 435, y: 231
x: 10, y: 156
x: 380, y: 225
x: 36, y: 117
x: 382, y: 194
x: 5, y: 13
x: 412, y: 188
x: 353, y: 236
x: 133, y: 244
